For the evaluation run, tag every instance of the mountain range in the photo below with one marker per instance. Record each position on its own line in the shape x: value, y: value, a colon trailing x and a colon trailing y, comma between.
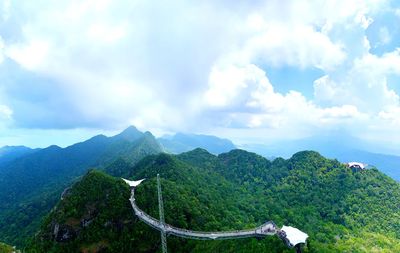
x: 9, y: 153
x: 30, y: 185
x: 342, y: 210
x: 211, y: 187
x: 181, y: 142
x: 342, y: 147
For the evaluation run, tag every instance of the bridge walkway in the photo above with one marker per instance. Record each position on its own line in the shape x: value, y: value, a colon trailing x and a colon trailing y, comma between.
x: 268, y: 228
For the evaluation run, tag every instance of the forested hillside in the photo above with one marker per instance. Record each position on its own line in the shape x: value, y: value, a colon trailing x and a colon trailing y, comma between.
x: 4, y: 248
x: 342, y: 210
x: 31, y: 185
x: 343, y: 148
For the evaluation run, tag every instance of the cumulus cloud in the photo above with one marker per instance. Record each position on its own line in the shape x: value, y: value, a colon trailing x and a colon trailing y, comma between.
x: 299, y: 45
x: 110, y: 63
x: 5, y: 9
x: 184, y: 66
x: 244, y: 97
x: 364, y: 85
x: 392, y: 115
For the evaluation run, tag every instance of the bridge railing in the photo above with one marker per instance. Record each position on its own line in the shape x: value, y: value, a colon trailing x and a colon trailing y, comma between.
x: 191, y: 233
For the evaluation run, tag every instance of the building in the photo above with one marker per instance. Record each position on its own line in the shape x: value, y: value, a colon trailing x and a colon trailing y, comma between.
x: 356, y: 165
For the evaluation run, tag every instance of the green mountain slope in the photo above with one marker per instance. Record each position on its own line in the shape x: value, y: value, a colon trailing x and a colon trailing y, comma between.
x: 342, y: 210
x: 30, y: 186
x: 94, y: 216
x: 345, y: 148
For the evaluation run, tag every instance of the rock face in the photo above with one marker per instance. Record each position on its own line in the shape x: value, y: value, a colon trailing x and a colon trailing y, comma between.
x: 63, y: 233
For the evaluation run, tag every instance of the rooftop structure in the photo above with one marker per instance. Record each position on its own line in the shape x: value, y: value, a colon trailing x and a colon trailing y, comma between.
x: 356, y: 165
x: 133, y: 183
x: 294, y: 236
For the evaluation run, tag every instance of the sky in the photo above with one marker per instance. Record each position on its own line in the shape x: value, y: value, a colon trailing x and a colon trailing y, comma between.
x: 252, y: 71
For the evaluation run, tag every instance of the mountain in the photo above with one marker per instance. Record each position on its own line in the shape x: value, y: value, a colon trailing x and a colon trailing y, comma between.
x: 344, y: 148
x: 342, y: 210
x: 32, y: 184
x: 180, y: 142
x: 94, y: 216
x: 325, y: 144
x: 9, y: 153
x: 388, y: 164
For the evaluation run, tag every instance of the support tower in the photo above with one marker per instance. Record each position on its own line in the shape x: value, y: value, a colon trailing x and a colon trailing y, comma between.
x: 162, y: 219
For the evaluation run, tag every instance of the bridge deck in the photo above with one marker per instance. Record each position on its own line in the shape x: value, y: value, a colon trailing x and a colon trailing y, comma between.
x: 268, y: 228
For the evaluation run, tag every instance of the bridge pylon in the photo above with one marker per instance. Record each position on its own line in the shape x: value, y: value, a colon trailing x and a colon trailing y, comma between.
x: 162, y: 219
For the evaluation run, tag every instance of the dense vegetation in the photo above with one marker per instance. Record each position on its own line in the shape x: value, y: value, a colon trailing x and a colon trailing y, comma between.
x: 341, y: 147
x: 95, y: 215
x: 342, y: 210
x: 4, y: 248
x: 31, y: 185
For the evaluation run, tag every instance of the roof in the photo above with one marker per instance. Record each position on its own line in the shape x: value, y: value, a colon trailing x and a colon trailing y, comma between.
x: 133, y: 183
x: 357, y: 164
x: 294, y: 235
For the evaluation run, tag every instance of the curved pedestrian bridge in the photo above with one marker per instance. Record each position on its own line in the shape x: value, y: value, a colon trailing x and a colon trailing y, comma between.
x: 268, y: 228
x: 291, y: 236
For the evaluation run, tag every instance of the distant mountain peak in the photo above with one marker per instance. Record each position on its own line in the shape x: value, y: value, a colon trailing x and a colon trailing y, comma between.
x: 200, y: 151
x: 7, y: 148
x: 9, y: 153
x: 148, y: 133
x: 53, y: 147
x: 130, y: 134
x: 12, y: 147
x: 306, y: 154
x: 130, y: 130
x: 238, y: 151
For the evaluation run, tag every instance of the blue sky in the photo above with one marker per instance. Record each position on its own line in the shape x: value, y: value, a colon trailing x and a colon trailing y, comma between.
x: 259, y: 72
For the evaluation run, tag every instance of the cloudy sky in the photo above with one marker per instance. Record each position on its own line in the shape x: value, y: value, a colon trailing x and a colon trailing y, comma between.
x: 252, y: 71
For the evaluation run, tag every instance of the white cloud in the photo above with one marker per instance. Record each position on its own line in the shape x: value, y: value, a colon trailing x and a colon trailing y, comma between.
x: 384, y: 35
x: 342, y: 112
x: 391, y: 115
x: 194, y: 66
x: 294, y: 45
x: 386, y: 64
x: 114, y: 63
x: 244, y: 97
x: 31, y: 56
x: 1, y: 50
x: 363, y: 85
x: 5, y: 112
x: 5, y: 9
